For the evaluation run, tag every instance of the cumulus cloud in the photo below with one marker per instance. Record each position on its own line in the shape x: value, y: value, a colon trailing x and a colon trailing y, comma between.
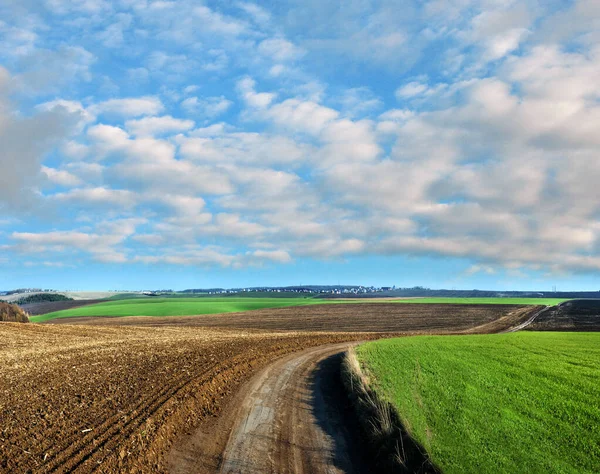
x: 259, y: 100
x: 152, y: 126
x: 280, y: 50
x: 445, y: 128
x: 130, y: 107
x: 26, y: 140
x: 104, y: 247
x: 99, y: 196
x: 208, y: 107
x: 61, y: 177
x: 62, y: 66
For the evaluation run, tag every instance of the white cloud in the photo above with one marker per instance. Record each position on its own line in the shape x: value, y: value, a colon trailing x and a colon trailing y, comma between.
x: 278, y: 256
x: 61, y: 177
x: 104, y: 247
x: 238, y: 147
x: 99, y: 196
x: 62, y: 66
x: 260, y: 16
x: 280, y: 50
x: 491, y: 156
x: 150, y: 126
x: 170, y: 175
x: 501, y: 30
x: 218, y: 23
x: 259, y: 100
x: 301, y: 116
x: 130, y: 107
x: 359, y: 101
x: 206, y: 107
x: 25, y: 143
x: 411, y: 89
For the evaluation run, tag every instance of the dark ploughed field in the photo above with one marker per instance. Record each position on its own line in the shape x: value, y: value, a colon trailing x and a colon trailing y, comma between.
x: 365, y: 317
x: 574, y: 315
x: 50, y: 306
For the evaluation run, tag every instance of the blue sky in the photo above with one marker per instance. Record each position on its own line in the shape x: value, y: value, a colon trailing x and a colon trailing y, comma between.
x: 149, y: 144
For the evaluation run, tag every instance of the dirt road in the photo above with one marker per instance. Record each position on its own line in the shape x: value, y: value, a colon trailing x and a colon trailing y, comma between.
x: 290, y: 418
x: 293, y: 417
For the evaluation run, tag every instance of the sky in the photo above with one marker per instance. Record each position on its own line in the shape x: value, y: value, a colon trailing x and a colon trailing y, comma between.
x: 185, y: 144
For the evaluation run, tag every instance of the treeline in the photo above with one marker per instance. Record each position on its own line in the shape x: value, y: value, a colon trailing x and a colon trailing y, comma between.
x: 42, y: 298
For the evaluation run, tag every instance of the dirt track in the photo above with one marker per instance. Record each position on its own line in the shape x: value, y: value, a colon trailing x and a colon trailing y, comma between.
x: 292, y: 418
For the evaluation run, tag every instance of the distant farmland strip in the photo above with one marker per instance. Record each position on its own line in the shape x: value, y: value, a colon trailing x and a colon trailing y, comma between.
x: 175, y: 307
x: 217, y: 305
x: 527, y: 301
x: 522, y: 402
x: 379, y: 317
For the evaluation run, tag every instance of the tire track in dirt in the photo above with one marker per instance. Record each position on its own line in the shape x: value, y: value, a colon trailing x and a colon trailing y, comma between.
x: 103, y: 437
x: 528, y: 322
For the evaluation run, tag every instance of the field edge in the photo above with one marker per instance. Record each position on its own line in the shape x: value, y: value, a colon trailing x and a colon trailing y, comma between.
x: 391, y: 445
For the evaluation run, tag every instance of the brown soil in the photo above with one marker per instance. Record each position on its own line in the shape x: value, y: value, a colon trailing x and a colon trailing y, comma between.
x: 574, y: 315
x: 78, y: 399
x: 290, y: 418
x: 12, y: 313
x: 509, y: 322
x: 363, y: 317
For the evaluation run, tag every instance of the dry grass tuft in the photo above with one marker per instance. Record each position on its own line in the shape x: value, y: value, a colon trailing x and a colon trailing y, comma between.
x: 12, y: 314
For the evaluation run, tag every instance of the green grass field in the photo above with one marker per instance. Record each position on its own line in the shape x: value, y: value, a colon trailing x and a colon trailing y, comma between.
x: 180, y: 306
x: 174, y: 307
x: 522, y: 402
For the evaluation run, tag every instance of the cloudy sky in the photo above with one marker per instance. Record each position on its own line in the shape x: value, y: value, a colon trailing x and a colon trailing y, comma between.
x: 148, y: 143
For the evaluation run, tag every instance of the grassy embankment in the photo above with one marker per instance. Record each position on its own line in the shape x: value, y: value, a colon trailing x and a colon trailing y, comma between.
x: 523, y: 402
x: 153, y: 306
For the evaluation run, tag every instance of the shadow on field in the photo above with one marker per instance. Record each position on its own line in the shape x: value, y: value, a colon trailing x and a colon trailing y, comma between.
x: 334, y: 415
x: 390, y: 446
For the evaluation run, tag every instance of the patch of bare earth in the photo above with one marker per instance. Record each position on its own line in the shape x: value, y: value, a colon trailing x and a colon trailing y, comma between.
x: 46, y: 307
x: 114, y: 399
x: 574, y: 315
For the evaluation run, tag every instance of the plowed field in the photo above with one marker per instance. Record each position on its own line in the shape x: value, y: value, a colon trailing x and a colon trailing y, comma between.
x: 575, y: 315
x: 373, y: 317
x: 83, y: 399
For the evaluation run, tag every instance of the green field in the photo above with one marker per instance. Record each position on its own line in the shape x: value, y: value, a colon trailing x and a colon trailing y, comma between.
x: 522, y: 402
x: 181, y: 306
x: 175, y: 307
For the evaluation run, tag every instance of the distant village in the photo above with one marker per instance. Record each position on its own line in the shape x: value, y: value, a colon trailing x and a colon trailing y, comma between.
x: 326, y: 291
